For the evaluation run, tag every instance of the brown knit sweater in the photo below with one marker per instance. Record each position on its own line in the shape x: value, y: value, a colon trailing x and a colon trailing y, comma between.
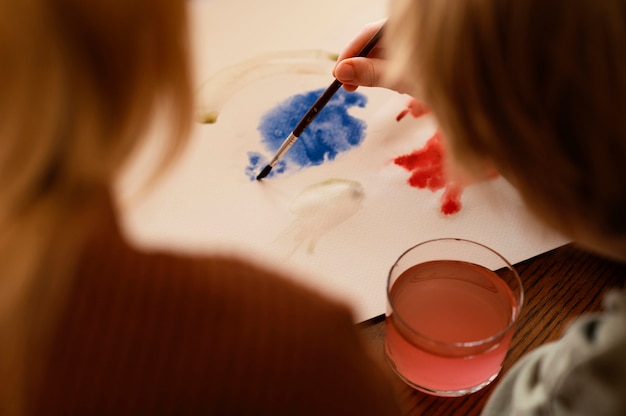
x: 158, y: 333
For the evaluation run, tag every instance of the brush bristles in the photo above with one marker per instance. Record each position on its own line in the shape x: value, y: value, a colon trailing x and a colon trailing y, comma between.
x: 266, y: 170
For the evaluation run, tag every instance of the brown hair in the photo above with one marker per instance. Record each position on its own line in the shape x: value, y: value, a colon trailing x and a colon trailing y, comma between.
x: 81, y: 82
x: 538, y: 88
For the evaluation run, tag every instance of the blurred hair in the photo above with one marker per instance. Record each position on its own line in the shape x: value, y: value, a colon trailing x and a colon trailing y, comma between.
x: 536, y: 87
x: 81, y: 81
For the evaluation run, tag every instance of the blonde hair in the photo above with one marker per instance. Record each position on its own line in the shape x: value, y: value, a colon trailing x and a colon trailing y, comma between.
x: 80, y: 82
x: 536, y: 87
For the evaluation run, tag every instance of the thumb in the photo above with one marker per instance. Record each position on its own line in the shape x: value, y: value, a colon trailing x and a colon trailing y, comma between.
x: 368, y: 72
x: 360, y: 71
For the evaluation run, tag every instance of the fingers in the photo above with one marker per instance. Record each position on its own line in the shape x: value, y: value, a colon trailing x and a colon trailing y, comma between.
x: 356, y: 44
x: 370, y: 72
x: 360, y: 71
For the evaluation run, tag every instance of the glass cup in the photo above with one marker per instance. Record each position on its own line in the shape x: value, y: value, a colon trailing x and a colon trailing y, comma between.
x: 452, y: 305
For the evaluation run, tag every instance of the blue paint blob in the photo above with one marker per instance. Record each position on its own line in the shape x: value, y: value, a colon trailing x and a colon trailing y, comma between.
x: 332, y: 132
x: 258, y: 162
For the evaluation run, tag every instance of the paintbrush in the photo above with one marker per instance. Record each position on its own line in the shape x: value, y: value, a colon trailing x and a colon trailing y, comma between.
x: 315, y: 109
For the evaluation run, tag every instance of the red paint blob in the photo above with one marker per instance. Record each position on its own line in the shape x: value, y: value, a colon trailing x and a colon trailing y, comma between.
x: 451, y: 199
x: 416, y: 108
x: 427, y: 172
x: 427, y: 165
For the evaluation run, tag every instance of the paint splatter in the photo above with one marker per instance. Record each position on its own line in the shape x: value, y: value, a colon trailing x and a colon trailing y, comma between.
x: 427, y: 165
x: 427, y: 172
x: 257, y: 162
x: 416, y: 108
x: 319, y: 209
x: 333, y: 132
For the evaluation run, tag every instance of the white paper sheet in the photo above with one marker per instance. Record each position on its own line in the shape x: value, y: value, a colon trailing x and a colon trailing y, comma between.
x: 340, y: 237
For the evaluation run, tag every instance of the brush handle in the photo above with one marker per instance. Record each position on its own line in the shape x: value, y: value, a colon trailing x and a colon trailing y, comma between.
x: 333, y: 88
x: 283, y: 148
x: 316, y: 108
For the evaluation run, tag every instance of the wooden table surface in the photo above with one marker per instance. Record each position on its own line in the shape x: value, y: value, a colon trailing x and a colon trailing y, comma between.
x: 559, y: 285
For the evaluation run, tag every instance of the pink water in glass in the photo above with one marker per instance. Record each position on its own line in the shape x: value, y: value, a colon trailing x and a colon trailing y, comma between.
x: 449, y: 326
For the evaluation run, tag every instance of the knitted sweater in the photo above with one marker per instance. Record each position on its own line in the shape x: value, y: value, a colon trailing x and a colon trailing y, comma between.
x: 161, y: 333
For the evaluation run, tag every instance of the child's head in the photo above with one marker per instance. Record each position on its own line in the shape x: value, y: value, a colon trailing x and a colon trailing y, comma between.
x: 535, y: 87
x: 79, y: 82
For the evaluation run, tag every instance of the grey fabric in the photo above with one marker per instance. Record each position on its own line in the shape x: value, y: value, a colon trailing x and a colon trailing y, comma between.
x: 583, y: 373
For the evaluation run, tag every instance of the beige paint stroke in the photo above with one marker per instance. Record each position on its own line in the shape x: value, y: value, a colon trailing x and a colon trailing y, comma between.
x: 319, y: 209
x: 218, y: 88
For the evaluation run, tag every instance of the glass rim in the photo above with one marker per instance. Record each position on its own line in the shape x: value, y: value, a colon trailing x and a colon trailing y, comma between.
x: 463, y: 344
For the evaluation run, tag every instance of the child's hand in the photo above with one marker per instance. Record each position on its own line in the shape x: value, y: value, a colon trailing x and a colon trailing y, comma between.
x: 370, y: 71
